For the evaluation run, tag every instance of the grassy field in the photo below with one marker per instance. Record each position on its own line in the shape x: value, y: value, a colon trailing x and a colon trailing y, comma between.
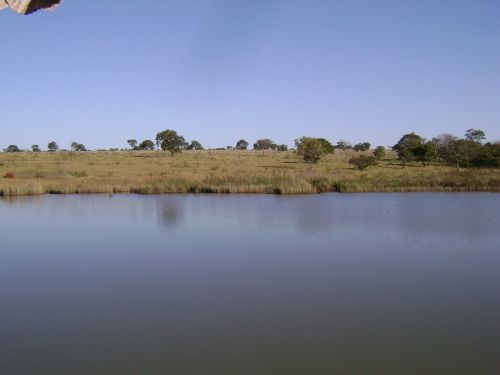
x: 272, y: 172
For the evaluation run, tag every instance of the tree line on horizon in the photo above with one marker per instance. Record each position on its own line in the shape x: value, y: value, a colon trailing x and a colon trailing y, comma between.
x: 470, y: 151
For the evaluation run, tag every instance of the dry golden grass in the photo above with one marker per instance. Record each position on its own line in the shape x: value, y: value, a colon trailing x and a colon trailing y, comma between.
x: 156, y: 172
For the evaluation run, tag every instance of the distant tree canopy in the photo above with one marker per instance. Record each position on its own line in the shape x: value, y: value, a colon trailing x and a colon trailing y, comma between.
x: 475, y: 135
x: 12, y: 148
x: 365, y: 146
x: 264, y: 144
x: 328, y: 148
x: 147, y: 145
x: 77, y: 147
x: 311, y: 149
x: 412, y: 147
x: 132, y: 143
x: 241, y: 144
x: 52, y: 146
x: 195, y: 145
x: 169, y: 140
x: 468, y: 152
x: 343, y: 145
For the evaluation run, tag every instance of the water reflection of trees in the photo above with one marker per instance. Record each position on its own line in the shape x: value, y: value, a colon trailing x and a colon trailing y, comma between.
x: 169, y: 212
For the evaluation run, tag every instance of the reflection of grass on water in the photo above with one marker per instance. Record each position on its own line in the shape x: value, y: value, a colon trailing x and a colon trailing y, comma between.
x: 223, y: 172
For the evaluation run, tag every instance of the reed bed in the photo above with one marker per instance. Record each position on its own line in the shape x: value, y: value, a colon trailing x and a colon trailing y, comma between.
x: 225, y: 172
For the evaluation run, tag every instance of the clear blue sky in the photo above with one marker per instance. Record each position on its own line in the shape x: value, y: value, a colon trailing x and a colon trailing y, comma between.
x: 221, y: 70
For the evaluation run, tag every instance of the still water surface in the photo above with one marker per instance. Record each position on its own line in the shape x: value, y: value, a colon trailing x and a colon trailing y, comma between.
x: 197, y: 284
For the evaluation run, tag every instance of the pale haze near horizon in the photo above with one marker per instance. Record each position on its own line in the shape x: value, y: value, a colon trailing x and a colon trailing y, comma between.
x: 218, y: 71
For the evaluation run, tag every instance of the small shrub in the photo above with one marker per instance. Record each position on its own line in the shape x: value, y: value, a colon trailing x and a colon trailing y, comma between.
x: 10, y: 175
x: 362, y: 161
x: 310, y: 149
x: 379, y: 152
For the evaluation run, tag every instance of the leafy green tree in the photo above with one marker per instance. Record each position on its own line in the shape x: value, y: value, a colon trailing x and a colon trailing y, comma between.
x: 195, y: 145
x: 425, y: 152
x: 241, y: 144
x: 475, y: 135
x: 282, y: 148
x: 445, y: 146
x: 35, y: 148
x: 362, y: 162
x: 147, y: 145
x: 365, y: 146
x: 12, y: 148
x: 264, y: 144
x: 406, y: 145
x: 343, y: 145
x: 327, y: 146
x: 52, y: 146
x: 488, y: 156
x: 77, y: 147
x: 310, y: 149
x: 132, y: 143
x: 169, y: 140
x: 379, y: 152
x: 460, y: 152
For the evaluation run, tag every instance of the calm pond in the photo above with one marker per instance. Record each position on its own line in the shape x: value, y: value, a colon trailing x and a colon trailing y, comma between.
x: 205, y: 284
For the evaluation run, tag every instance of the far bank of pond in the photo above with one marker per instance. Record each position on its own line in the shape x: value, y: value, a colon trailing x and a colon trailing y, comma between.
x: 224, y: 172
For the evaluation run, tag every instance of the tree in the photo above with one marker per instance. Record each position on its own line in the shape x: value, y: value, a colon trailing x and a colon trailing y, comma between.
x: 35, y: 148
x: 327, y: 146
x: 132, y: 143
x: 362, y: 161
x: 12, y: 148
x: 379, y: 152
x: 406, y: 147
x: 264, y: 144
x: 241, y: 144
x: 425, y: 152
x: 147, y: 145
x: 77, y: 147
x: 310, y: 149
x: 462, y: 152
x: 488, y: 156
x: 195, y: 145
x: 343, y: 145
x: 445, y: 146
x: 52, y: 146
x: 475, y: 135
x: 282, y: 148
x: 169, y: 140
x: 365, y: 146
